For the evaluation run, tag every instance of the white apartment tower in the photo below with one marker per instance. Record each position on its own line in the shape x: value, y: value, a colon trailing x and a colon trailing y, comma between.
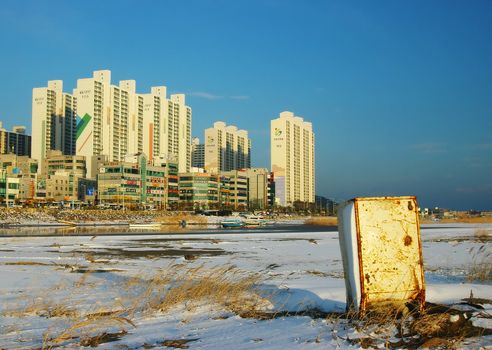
x: 292, y: 159
x: 94, y: 96
x: 154, y: 121
x: 179, y: 132
x: 134, y: 140
x: 116, y: 121
x: 226, y: 148
x: 53, y: 121
x: 167, y: 127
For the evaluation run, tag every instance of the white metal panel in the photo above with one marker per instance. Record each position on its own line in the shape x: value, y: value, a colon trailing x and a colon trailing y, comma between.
x: 350, y: 256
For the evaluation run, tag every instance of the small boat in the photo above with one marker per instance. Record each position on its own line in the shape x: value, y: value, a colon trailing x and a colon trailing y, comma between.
x: 232, y: 223
x: 250, y: 222
x: 146, y: 226
x: 253, y: 220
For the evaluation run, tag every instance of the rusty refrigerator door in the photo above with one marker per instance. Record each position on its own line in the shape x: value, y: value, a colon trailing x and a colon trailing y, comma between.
x: 381, y: 251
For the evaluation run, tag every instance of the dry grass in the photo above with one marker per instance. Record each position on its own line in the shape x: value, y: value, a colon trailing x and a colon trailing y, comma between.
x: 404, y: 326
x: 480, y: 268
x: 185, y: 290
x: 223, y: 287
x: 321, y: 221
x: 483, y: 235
x: 28, y: 263
x: 89, y: 332
x: 317, y: 273
x: 42, y: 307
x: 177, y: 288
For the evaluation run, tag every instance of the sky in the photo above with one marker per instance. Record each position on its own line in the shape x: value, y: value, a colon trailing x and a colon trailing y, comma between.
x: 399, y: 92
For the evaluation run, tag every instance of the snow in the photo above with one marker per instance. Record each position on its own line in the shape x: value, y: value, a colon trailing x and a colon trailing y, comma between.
x: 300, y: 270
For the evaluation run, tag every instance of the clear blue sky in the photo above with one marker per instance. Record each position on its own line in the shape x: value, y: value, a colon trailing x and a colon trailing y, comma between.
x: 399, y: 92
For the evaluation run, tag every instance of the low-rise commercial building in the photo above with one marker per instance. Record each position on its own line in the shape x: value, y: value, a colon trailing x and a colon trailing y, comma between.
x: 25, y: 170
x: 171, y: 174
x: 61, y: 186
x: 60, y: 175
x: 120, y: 183
x: 9, y: 188
x: 138, y: 182
x: 238, y: 188
x: 56, y: 161
x: 198, y: 190
x: 87, y: 191
x: 257, y: 188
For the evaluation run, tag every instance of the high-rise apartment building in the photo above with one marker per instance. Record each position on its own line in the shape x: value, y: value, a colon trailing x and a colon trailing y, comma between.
x: 135, y: 131
x: 15, y: 141
x: 292, y: 159
x: 110, y: 118
x: 116, y: 121
x: 226, y: 148
x: 197, y: 153
x: 167, y: 127
x: 53, y: 120
x: 179, y: 132
x: 155, y: 127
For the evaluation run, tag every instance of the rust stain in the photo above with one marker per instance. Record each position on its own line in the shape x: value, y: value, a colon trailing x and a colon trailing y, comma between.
x: 363, y: 297
x: 408, y: 240
x: 373, y: 239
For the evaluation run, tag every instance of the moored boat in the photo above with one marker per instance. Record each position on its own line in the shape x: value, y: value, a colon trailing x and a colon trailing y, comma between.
x: 232, y: 223
x: 254, y: 220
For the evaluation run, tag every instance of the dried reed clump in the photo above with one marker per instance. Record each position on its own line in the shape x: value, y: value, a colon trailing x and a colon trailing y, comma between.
x: 483, y: 235
x: 317, y: 273
x: 386, y: 312
x: 430, y: 324
x: 321, y: 221
x: 42, y: 307
x: 89, y: 332
x: 480, y: 268
x: 405, y: 325
x: 179, y: 285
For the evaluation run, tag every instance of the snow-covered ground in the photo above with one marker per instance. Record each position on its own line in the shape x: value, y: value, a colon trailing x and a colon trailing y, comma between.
x: 300, y: 270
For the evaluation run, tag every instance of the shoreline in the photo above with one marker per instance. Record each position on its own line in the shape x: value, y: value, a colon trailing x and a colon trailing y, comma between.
x: 15, y: 218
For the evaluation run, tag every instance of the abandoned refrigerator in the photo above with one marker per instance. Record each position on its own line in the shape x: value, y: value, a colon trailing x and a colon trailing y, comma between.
x: 381, y: 251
